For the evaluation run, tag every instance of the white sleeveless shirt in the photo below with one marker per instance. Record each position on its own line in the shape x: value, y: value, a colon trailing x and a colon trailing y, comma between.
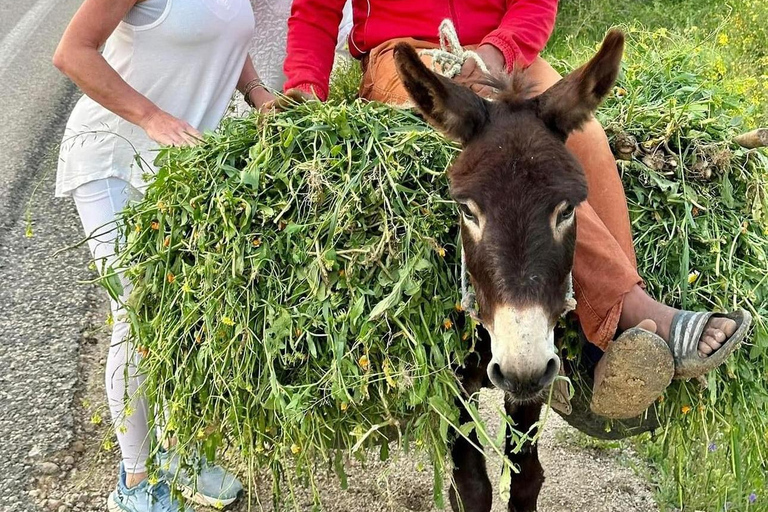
x: 187, y: 62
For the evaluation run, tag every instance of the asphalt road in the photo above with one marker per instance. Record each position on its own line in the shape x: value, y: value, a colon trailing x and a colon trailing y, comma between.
x: 42, y: 306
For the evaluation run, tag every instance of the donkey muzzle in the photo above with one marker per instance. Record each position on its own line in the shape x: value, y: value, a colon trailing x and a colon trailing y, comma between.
x: 525, y: 360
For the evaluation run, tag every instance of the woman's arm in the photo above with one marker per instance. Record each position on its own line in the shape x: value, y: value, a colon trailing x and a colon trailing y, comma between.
x: 258, y: 96
x: 78, y: 57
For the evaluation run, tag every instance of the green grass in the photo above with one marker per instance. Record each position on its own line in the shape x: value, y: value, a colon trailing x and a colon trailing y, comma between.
x: 739, y: 29
x: 693, y: 77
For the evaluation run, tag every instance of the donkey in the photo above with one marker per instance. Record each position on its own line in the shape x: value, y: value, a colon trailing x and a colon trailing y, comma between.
x: 516, y: 186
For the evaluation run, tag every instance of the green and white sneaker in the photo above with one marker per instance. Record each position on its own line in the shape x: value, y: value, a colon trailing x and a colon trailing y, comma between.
x: 214, y: 486
x: 145, y: 497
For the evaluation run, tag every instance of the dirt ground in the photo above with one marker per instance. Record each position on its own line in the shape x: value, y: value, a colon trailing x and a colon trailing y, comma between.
x: 581, y: 474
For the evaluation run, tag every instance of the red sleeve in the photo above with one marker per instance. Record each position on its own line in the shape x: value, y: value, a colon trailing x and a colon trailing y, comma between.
x: 312, y: 32
x: 524, y: 30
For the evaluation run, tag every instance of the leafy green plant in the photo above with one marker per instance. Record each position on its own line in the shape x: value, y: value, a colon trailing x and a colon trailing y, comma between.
x: 295, y: 290
x: 295, y: 277
x: 699, y: 211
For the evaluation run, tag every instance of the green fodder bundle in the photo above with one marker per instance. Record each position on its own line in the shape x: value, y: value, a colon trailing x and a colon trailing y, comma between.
x: 699, y: 211
x: 295, y: 287
x: 296, y: 276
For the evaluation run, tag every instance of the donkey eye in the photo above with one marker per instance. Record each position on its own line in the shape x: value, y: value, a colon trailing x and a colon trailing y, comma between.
x: 565, y: 214
x: 467, y: 213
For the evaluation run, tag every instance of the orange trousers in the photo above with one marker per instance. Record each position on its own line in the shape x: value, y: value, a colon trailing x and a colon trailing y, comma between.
x: 605, y: 266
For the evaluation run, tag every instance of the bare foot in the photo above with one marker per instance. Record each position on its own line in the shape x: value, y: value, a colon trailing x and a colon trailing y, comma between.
x: 639, y: 307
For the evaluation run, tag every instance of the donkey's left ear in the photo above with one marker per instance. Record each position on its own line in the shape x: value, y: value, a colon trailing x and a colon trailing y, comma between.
x: 568, y: 104
x: 453, y: 109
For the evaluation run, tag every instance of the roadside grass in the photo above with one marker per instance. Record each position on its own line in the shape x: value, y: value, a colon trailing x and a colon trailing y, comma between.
x: 694, y: 76
x: 739, y: 28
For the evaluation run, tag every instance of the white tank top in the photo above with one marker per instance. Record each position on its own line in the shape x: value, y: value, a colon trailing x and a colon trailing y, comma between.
x: 187, y: 62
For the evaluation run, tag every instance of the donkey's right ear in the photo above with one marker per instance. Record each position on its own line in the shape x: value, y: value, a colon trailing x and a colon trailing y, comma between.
x: 453, y: 109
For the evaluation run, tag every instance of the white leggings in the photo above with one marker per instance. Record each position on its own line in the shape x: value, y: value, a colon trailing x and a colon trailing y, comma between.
x: 98, y: 204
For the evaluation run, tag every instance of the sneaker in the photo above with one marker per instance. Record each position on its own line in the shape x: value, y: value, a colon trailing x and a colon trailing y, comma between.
x: 144, y: 497
x: 214, y: 486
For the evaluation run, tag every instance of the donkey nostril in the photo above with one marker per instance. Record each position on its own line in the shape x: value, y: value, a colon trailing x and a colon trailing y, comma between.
x: 495, y: 374
x: 553, y: 366
x: 501, y: 381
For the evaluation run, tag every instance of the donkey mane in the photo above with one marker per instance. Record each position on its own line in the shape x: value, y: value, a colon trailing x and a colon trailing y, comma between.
x: 510, y: 87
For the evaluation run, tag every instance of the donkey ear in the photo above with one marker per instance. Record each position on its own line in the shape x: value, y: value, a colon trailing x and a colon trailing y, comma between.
x: 453, y: 109
x: 568, y: 104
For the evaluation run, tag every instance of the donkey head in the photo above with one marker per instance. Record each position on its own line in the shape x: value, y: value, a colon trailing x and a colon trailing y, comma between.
x: 516, y: 186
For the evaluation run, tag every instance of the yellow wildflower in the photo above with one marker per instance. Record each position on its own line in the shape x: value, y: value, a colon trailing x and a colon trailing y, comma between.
x: 171, y: 278
x: 722, y: 39
x: 227, y: 321
x: 256, y: 242
x: 296, y: 449
x: 388, y: 374
x: 344, y: 406
x: 686, y: 409
x: 441, y: 252
x: 364, y: 362
x: 155, y: 225
x: 458, y: 307
x: 447, y: 323
x: 693, y: 276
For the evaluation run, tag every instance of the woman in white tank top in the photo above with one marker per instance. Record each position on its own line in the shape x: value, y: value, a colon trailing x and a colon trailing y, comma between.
x: 167, y: 73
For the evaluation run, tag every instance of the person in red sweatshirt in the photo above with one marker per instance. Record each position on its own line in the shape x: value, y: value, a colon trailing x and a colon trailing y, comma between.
x: 506, y: 34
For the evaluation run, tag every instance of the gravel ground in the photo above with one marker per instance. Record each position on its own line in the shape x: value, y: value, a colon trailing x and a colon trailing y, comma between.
x: 582, y: 475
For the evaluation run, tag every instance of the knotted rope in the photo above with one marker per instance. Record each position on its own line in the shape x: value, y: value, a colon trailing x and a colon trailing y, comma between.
x: 450, y: 57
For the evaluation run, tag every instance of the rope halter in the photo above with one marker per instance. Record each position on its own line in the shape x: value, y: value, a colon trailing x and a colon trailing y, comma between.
x: 450, y: 57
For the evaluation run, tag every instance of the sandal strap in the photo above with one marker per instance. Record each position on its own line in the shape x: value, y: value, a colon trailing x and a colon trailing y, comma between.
x: 685, y: 333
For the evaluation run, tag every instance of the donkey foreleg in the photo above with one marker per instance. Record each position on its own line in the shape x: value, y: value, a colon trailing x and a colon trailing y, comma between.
x: 471, y: 490
x: 527, y: 483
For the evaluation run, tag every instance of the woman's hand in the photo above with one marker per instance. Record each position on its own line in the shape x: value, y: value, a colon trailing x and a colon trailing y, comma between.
x: 167, y: 130
x: 262, y: 99
x: 287, y: 100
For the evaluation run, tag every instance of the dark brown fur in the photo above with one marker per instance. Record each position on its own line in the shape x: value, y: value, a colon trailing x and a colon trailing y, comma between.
x: 515, y: 167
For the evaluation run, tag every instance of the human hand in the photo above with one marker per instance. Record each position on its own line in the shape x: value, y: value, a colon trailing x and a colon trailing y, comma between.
x: 291, y: 97
x: 471, y: 73
x: 261, y: 99
x: 168, y: 130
